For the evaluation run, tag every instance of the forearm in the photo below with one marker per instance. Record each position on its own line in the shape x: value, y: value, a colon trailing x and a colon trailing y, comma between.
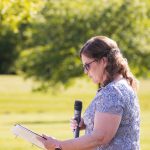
x: 87, y: 142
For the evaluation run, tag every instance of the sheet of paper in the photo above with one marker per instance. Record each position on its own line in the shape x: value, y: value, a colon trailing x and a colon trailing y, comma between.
x: 28, y: 135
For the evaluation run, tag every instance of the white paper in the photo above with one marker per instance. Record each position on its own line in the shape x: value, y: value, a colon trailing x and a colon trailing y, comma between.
x: 28, y: 135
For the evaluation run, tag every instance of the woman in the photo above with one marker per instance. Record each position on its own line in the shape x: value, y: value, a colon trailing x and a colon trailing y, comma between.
x: 111, y: 121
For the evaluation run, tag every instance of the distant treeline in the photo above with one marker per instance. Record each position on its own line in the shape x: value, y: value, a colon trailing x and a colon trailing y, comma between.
x: 42, y: 39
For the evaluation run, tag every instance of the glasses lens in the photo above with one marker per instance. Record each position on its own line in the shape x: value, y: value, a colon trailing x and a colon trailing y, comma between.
x: 86, y: 67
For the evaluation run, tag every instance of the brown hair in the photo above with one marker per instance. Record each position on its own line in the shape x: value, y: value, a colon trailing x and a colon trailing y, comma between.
x: 101, y: 46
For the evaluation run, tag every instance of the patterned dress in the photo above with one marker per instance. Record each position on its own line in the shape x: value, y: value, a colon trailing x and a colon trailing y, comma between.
x: 117, y: 98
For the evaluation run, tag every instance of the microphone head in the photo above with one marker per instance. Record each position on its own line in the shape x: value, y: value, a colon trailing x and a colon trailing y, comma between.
x: 78, y: 105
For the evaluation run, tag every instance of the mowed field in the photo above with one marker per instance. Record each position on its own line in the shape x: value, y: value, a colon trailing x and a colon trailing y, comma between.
x: 49, y: 113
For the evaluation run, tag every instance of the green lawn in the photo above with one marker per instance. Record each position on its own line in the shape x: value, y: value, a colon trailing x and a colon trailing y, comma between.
x: 50, y: 112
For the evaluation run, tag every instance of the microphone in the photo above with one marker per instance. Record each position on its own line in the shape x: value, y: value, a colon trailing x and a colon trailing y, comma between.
x: 77, y: 116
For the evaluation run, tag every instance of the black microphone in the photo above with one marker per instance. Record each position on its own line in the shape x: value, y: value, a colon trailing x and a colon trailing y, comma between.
x: 77, y: 116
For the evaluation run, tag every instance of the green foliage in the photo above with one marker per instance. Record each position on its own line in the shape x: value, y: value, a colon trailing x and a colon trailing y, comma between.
x: 50, y: 33
x: 8, y: 52
x: 15, y: 17
x: 63, y: 26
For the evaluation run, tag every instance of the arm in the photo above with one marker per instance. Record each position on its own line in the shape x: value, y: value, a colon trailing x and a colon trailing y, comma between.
x: 105, y: 124
x: 105, y: 127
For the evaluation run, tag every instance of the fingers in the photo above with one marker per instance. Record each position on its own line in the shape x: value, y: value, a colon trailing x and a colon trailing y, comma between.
x: 41, y: 138
x: 48, y: 142
x: 73, y: 124
x: 80, y: 124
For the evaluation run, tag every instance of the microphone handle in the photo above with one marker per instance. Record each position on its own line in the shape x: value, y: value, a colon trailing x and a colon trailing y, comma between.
x: 77, y: 130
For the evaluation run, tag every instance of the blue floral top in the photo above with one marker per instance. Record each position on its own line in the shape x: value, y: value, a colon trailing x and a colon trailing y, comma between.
x: 117, y: 98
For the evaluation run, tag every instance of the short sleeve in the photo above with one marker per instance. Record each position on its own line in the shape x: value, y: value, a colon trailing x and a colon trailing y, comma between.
x: 110, y: 100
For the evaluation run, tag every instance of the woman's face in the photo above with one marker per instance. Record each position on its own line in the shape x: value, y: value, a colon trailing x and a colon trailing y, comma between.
x: 94, y: 69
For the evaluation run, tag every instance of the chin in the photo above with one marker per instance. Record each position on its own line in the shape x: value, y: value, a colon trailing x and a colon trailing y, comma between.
x: 95, y: 81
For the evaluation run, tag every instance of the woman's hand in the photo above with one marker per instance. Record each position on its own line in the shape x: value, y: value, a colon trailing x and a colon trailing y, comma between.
x: 49, y: 143
x: 73, y: 124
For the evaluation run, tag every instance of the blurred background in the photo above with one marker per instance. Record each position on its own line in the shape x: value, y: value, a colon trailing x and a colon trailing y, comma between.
x: 40, y: 70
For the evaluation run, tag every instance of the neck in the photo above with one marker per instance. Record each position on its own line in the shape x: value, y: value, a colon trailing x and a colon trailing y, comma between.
x: 117, y: 77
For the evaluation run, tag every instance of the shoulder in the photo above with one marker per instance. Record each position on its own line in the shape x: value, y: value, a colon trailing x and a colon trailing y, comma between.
x: 112, y: 98
x: 116, y: 89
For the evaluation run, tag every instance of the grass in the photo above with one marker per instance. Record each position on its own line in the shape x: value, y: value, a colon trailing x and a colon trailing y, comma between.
x: 50, y: 112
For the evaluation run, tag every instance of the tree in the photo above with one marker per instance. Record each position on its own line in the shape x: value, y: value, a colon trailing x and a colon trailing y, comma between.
x: 62, y: 26
x: 50, y: 33
x: 15, y: 17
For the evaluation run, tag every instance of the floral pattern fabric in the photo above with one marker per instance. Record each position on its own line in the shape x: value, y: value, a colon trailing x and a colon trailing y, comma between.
x: 117, y: 98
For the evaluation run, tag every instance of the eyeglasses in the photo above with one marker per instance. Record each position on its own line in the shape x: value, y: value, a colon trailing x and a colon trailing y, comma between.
x: 86, y: 67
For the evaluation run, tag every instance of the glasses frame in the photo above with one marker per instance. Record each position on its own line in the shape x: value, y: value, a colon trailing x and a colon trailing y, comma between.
x: 86, y: 66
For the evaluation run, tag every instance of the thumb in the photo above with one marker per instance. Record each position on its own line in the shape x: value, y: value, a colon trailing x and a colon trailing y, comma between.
x: 80, y: 124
